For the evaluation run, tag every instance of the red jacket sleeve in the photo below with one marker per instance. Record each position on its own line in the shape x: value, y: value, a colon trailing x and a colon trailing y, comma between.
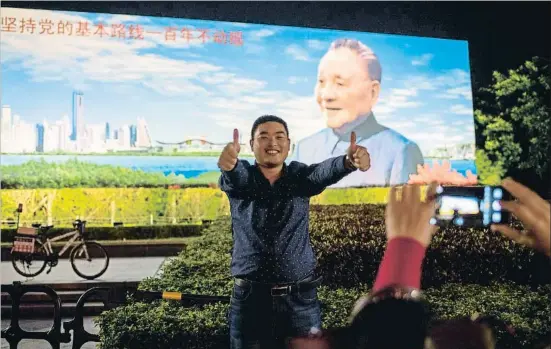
x: 401, y: 264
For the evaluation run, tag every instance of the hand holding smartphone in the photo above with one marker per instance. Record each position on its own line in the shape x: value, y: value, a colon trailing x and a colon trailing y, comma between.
x: 470, y: 206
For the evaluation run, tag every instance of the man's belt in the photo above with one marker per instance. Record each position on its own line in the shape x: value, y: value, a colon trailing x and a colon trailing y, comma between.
x: 283, y: 289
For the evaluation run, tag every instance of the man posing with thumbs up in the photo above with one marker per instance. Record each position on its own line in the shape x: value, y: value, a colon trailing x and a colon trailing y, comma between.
x: 274, y: 296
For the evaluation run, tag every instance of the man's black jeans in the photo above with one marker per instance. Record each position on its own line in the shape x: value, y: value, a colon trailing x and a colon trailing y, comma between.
x: 261, y: 317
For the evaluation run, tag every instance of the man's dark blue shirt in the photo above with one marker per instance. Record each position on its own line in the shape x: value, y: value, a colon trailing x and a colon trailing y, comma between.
x: 271, y: 242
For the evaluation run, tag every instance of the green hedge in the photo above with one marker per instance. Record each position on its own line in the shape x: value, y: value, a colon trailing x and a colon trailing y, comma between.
x: 350, y: 240
x: 164, y: 324
x: 204, y: 269
x: 125, y: 233
x: 76, y: 174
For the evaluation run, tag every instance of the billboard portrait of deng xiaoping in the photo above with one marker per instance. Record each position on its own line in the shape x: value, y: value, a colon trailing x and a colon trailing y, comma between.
x: 114, y: 86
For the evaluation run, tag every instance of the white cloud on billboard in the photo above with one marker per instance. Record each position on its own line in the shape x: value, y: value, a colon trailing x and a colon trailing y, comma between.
x: 456, y: 93
x: 238, y: 85
x: 257, y: 35
x: 117, y: 19
x: 460, y: 109
x: 404, y: 92
x: 298, y: 53
x: 423, y: 59
x: 293, y: 80
x: 317, y: 45
x: 251, y: 48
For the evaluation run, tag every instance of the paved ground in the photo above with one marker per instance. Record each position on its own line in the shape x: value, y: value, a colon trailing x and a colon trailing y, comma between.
x: 44, y: 325
x: 120, y: 269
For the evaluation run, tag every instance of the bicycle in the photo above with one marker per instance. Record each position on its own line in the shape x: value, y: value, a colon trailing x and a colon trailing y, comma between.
x: 34, y: 246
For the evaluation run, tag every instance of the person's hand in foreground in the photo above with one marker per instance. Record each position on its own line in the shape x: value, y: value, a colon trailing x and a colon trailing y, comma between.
x: 408, y: 216
x: 228, y: 158
x: 533, y: 212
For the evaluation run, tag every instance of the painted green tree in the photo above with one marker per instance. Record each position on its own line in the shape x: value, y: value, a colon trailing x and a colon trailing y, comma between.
x: 512, y: 121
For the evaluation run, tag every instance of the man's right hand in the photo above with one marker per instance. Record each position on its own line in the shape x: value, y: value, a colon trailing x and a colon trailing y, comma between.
x: 228, y: 158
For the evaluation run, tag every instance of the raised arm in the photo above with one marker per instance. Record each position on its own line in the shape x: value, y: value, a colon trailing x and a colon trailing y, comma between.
x: 235, y: 173
x: 317, y: 177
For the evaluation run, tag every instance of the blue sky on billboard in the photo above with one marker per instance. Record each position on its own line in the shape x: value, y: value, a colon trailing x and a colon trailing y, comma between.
x: 189, y: 88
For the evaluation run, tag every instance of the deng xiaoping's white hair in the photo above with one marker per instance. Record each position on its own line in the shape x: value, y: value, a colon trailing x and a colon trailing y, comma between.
x: 373, y: 66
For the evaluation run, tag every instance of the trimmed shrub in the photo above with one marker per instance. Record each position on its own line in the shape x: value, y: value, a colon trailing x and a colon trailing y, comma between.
x: 203, y: 268
x: 350, y: 240
x: 128, y: 233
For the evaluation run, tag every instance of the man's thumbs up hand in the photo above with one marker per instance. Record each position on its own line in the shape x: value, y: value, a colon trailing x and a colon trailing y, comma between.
x: 236, y: 145
x: 228, y: 158
x: 357, y: 155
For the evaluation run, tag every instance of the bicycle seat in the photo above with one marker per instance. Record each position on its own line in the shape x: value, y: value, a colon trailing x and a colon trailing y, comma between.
x: 44, y: 231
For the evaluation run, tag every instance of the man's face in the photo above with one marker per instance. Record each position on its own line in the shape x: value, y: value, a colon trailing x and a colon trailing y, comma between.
x: 270, y: 144
x: 344, y: 89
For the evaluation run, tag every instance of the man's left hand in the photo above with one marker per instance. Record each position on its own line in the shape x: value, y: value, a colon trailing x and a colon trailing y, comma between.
x: 357, y: 156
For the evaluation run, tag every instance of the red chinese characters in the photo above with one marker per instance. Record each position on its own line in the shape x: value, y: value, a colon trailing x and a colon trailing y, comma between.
x: 203, y: 35
x: 46, y: 26
x: 186, y: 34
x: 220, y: 37
x: 236, y: 38
x: 170, y: 34
x: 118, y: 30
x: 82, y: 29
x: 64, y: 28
x: 9, y: 24
x: 136, y: 32
x: 101, y: 31
x: 27, y: 26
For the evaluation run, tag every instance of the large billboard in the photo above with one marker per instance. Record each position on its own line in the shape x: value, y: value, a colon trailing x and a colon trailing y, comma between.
x: 164, y: 94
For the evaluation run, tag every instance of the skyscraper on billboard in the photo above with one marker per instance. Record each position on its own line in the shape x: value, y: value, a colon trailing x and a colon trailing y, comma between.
x: 40, y: 138
x: 133, y: 135
x: 143, y: 137
x: 107, y: 131
x: 77, y: 122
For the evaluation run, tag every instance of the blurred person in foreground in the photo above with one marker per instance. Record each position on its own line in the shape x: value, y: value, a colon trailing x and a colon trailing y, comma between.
x: 393, y: 315
x: 274, y: 296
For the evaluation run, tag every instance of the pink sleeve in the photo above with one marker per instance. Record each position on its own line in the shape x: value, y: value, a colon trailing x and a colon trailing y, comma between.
x: 401, y: 264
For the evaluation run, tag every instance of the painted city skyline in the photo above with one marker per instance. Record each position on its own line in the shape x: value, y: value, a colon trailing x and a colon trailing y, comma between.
x: 182, y: 87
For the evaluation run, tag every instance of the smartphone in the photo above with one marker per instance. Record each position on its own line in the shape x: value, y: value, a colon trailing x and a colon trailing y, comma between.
x: 470, y: 206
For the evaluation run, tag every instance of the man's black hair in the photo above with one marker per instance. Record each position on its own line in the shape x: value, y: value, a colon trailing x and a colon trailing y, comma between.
x: 268, y: 118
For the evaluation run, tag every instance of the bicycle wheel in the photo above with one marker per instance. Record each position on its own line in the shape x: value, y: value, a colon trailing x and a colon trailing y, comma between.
x: 29, y: 265
x: 89, y: 260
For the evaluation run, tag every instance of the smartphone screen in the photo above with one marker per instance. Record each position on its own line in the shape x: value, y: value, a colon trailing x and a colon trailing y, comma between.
x: 471, y: 206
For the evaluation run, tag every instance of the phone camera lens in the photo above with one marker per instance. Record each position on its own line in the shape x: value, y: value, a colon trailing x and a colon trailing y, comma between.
x: 496, y: 206
x: 459, y: 221
x: 498, y: 194
x: 496, y: 217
